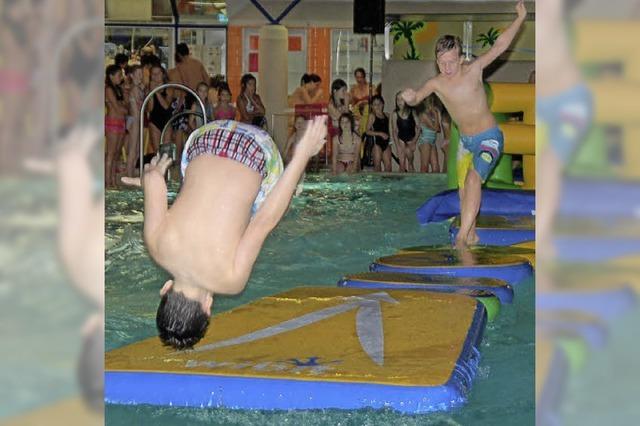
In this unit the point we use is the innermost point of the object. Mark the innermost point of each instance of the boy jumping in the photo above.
(233, 194)
(459, 86)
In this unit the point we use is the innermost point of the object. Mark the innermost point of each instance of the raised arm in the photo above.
(505, 39)
(276, 203)
(155, 198)
(412, 97)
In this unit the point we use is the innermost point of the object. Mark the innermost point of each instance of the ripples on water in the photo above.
(336, 226)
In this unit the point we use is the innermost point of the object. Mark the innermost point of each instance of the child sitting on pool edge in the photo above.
(233, 195)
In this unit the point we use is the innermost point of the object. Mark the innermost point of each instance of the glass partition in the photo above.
(208, 46)
(133, 40)
(350, 51)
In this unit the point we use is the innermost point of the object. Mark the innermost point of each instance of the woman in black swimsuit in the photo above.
(378, 128)
(405, 133)
(160, 110)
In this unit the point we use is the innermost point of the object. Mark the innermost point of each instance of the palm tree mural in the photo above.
(406, 30)
(488, 38)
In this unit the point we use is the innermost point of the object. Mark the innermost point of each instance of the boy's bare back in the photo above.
(198, 238)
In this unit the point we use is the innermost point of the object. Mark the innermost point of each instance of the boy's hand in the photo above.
(314, 137)
(158, 166)
(522, 11)
(409, 96)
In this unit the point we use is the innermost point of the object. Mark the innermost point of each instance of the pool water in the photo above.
(338, 225)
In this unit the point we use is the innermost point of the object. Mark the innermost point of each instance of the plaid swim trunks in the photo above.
(244, 143)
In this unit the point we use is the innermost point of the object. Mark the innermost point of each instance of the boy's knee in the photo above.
(473, 177)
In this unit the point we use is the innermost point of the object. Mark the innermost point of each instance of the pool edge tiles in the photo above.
(421, 334)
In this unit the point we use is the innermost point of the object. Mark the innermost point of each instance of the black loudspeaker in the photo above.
(368, 16)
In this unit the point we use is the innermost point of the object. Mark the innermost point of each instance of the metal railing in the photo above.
(144, 107)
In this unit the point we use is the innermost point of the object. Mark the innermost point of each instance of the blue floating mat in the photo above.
(552, 373)
(500, 230)
(476, 263)
(605, 303)
(495, 202)
(590, 248)
(439, 283)
(569, 324)
(314, 348)
(586, 198)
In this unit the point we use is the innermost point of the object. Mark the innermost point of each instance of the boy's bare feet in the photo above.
(472, 238)
(460, 243)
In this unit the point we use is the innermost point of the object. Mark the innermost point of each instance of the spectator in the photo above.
(249, 104)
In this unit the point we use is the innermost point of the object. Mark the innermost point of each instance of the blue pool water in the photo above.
(337, 226)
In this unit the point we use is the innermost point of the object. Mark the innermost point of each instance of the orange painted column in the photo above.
(319, 56)
(234, 59)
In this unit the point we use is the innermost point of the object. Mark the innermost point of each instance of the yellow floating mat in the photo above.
(501, 230)
(311, 348)
(476, 263)
(526, 250)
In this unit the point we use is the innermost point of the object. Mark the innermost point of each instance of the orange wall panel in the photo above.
(234, 59)
(319, 56)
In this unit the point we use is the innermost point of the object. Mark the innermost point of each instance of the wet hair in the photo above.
(244, 81)
(117, 90)
(351, 121)
(360, 69)
(448, 42)
(121, 59)
(90, 369)
(181, 321)
(335, 86)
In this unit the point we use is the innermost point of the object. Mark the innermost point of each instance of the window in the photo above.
(132, 40)
(350, 51)
(208, 46)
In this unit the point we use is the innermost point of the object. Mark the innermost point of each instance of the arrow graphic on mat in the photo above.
(368, 325)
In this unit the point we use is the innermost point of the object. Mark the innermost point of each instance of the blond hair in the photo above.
(448, 42)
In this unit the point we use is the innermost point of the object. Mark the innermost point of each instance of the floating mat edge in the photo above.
(214, 390)
(512, 274)
(446, 204)
(378, 280)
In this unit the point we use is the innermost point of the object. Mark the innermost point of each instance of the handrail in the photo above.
(169, 123)
(144, 107)
(174, 118)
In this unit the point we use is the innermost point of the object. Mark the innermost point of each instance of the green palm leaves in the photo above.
(406, 30)
(488, 38)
